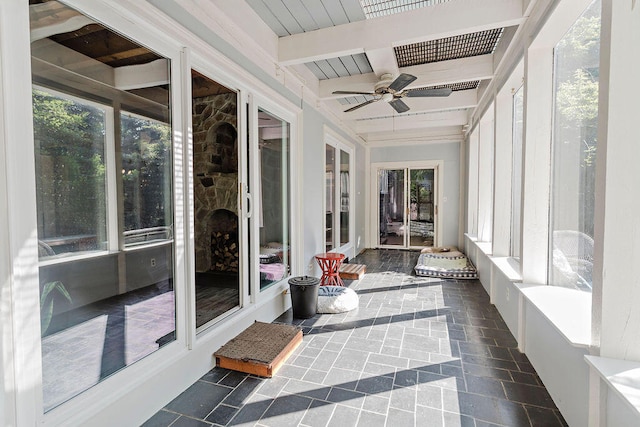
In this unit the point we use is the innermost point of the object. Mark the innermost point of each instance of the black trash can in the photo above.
(304, 296)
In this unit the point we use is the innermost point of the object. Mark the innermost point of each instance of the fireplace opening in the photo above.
(225, 254)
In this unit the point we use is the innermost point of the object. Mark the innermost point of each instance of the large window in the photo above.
(275, 194)
(576, 75)
(516, 186)
(103, 155)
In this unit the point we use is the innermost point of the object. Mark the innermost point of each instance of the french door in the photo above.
(407, 206)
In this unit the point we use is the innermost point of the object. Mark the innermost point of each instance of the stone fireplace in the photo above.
(215, 188)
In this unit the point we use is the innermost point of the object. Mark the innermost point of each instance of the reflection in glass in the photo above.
(70, 174)
(274, 197)
(330, 191)
(421, 207)
(574, 152)
(215, 189)
(392, 226)
(104, 182)
(146, 176)
(344, 198)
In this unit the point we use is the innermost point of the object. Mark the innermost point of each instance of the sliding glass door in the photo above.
(407, 207)
(217, 244)
(338, 211)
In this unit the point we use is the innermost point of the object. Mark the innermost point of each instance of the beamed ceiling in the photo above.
(347, 45)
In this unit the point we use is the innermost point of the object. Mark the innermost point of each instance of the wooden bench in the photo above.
(352, 271)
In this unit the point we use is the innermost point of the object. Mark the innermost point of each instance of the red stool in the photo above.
(330, 263)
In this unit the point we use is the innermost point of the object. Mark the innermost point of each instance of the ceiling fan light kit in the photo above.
(391, 91)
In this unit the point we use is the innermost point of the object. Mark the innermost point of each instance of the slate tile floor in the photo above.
(417, 352)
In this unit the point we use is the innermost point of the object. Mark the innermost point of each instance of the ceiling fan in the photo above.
(392, 92)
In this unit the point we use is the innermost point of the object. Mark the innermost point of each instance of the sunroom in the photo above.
(167, 166)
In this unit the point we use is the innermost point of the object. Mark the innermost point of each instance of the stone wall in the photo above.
(215, 164)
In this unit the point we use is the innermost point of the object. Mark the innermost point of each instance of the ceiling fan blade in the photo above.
(349, 92)
(428, 92)
(399, 106)
(401, 82)
(360, 105)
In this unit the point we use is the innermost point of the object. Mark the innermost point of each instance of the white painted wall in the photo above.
(449, 152)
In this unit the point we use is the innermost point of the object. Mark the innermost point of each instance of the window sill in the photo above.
(568, 310)
(621, 376)
(510, 267)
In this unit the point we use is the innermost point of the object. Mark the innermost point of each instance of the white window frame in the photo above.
(332, 139)
(503, 164)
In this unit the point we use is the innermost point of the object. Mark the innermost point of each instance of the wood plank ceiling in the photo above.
(349, 44)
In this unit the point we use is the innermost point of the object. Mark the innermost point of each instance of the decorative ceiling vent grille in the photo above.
(462, 46)
(376, 8)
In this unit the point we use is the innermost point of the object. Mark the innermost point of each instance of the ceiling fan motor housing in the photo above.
(382, 86)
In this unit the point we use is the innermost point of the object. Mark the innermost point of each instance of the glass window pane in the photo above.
(146, 179)
(330, 192)
(103, 183)
(421, 207)
(516, 186)
(274, 196)
(215, 189)
(70, 174)
(344, 198)
(391, 193)
(574, 152)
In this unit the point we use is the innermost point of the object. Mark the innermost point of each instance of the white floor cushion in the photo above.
(336, 299)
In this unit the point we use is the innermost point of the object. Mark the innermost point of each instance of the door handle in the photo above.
(250, 205)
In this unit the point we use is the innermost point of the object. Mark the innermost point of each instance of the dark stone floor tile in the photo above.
(251, 412)
(215, 375)
(512, 414)
(242, 391)
(374, 385)
(233, 378)
(405, 378)
(525, 378)
(485, 386)
(286, 411)
(489, 362)
(486, 371)
(529, 394)
(222, 415)
(189, 422)
(501, 353)
(199, 400)
(346, 397)
(162, 418)
(543, 417)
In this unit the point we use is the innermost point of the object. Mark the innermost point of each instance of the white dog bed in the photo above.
(336, 299)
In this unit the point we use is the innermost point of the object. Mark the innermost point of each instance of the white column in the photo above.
(616, 279)
(20, 398)
(538, 109)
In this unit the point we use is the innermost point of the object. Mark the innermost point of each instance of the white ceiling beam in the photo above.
(400, 123)
(455, 101)
(415, 136)
(56, 18)
(155, 73)
(383, 61)
(428, 23)
(436, 73)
